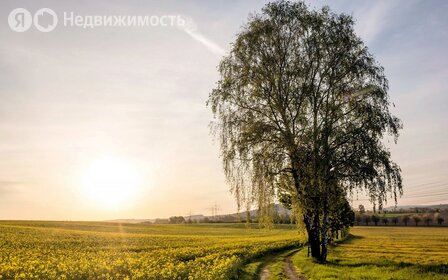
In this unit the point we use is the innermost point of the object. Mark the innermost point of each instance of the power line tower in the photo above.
(189, 220)
(214, 209)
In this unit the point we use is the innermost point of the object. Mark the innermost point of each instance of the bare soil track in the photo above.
(288, 268)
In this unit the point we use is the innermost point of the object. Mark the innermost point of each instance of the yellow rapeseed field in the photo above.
(90, 250)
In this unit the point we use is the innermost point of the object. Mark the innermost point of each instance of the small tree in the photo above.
(342, 216)
(395, 220)
(406, 220)
(427, 219)
(384, 220)
(439, 219)
(177, 220)
(362, 209)
(375, 219)
(358, 219)
(416, 219)
(367, 219)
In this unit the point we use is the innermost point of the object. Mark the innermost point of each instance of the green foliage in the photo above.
(341, 215)
(301, 109)
(177, 220)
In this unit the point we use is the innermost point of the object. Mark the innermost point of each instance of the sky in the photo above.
(75, 97)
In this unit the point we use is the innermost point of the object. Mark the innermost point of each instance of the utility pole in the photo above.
(215, 208)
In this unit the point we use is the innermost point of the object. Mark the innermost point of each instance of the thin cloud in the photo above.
(8, 187)
(191, 29)
(372, 20)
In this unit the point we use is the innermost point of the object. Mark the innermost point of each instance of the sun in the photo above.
(111, 182)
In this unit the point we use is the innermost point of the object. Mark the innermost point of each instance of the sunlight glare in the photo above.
(111, 182)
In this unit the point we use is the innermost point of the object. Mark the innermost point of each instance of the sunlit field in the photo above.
(88, 250)
(384, 253)
(93, 250)
(223, 140)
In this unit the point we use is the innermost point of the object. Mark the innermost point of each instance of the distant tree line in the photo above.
(344, 217)
(340, 220)
(407, 219)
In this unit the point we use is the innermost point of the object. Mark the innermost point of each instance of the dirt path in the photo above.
(264, 275)
(290, 271)
(288, 268)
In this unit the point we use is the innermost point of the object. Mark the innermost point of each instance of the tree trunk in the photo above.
(323, 257)
(312, 228)
(311, 219)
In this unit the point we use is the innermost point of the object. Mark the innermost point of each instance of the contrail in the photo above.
(191, 29)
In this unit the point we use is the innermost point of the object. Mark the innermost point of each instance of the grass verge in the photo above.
(382, 253)
(273, 262)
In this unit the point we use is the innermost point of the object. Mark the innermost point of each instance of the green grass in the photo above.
(391, 215)
(277, 266)
(273, 262)
(94, 250)
(383, 253)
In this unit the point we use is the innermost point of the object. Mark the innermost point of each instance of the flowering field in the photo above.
(91, 250)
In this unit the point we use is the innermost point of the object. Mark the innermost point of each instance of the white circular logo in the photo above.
(45, 20)
(20, 20)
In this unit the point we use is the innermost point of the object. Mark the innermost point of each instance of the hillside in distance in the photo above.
(278, 209)
(409, 207)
